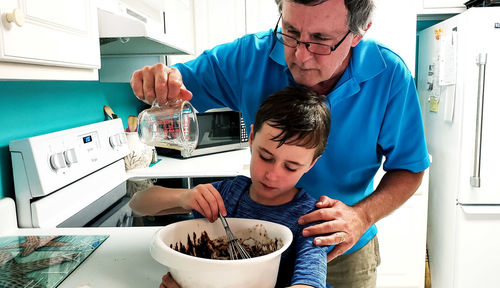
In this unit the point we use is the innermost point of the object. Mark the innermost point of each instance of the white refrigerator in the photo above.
(459, 90)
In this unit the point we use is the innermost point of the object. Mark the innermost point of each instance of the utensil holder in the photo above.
(140, 155)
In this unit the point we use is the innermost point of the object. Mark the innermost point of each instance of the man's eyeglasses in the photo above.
(313, 47)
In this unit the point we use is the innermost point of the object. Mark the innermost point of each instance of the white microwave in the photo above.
(220, 130)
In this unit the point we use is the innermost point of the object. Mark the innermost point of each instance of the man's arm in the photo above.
(395, 188)
(343, 225)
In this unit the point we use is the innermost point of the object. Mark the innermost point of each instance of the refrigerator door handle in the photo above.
(475, 179)
(481, 209)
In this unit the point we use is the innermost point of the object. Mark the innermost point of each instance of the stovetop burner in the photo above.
(119, 214)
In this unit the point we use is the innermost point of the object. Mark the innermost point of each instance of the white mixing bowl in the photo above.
(190, 271)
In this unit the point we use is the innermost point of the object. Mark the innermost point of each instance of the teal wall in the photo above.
(30, 108)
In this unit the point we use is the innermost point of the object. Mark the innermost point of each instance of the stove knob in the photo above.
(57, 161)
(70, 156)
(123, 138)
(118, 139)
(114, 141)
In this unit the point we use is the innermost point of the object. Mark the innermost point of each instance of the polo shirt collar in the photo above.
(366, 60)
(278, 54)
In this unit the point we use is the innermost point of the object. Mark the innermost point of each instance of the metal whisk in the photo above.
(236, 250)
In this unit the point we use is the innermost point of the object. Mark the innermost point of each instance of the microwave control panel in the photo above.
(243, 132)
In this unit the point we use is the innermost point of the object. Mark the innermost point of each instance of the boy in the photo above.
(289, 135)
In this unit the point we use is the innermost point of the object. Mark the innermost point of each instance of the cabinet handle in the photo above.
(475, 179)
(17, 16)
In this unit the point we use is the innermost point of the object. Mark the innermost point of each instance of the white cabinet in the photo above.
(439, 9)
(222, 21)
(427, 4)
(215, 22)
(218, 22)
(261, 15)
(179, 24)
(54, 39)
(402, 241)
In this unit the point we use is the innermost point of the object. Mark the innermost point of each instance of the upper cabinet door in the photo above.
(179, 24)
(261, 15)
(443, 4)
(50, 32)
(441, 9)
(218, 22)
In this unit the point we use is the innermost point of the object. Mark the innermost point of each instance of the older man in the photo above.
(375, 114)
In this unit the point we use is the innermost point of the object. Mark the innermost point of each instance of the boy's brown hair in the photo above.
(302, 116)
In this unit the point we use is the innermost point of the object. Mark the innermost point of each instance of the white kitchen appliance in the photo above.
(70, 177)
(458, 84)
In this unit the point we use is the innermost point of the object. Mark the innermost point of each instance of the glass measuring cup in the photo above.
(173, 125)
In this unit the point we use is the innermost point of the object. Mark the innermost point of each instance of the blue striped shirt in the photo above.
(303, 262)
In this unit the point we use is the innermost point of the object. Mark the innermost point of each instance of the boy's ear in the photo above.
(250, 139)
(312, 163)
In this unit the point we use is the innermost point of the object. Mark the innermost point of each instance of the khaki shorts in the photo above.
(355, 270)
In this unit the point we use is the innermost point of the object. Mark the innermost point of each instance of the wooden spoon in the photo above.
(110, 112)
(132, 123)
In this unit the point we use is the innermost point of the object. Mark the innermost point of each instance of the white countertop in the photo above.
(121, 261)
(225, 164)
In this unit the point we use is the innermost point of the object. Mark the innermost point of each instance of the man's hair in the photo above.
(359, 12)
(302, 116)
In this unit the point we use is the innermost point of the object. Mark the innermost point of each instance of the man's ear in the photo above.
(357, 38)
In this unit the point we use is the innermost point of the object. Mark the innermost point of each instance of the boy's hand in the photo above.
(205, 199)
(167, 281)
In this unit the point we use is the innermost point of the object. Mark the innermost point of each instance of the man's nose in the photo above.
(302, 53)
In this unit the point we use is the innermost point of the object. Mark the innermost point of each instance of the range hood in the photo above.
(129, 33)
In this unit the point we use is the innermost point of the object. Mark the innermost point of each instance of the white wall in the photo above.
(395, 25)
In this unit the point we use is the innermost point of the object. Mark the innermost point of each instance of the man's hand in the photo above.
(341, 225)
(344, 225)
(205, 199)
(159, 82)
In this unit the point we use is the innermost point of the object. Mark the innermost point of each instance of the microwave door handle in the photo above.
(475, 179)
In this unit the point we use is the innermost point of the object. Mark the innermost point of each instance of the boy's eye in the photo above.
(267, 159)
(290, 168)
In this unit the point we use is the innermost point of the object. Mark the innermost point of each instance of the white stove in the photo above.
(68, 178)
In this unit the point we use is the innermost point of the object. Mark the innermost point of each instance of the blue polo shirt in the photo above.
(374, 106)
